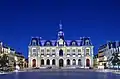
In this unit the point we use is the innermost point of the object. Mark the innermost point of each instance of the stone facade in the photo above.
(60, 52)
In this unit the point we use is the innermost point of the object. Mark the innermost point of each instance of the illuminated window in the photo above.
(73, 43)
(34, 42)
(87, 42)
(48, 43)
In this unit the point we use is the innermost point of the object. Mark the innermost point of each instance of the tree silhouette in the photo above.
(115, 59)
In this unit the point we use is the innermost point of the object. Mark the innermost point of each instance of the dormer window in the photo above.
(73, 43)
(87, 42)
(34, 42)
(48, 43)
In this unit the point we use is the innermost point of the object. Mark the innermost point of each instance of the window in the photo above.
(74, 62)
(42, 50)
(53, 50)
(60, 52)
(48, 50)
(73, 50)
(79, 50)
(87, 42)
(42, 62)
(34, 50)
(48, 62)
(73, 43)
(34, 42)
(68, 50)
(87, 50)
(79, 62)
(48, 43)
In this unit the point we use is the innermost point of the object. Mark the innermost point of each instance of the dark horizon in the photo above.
(21, 20)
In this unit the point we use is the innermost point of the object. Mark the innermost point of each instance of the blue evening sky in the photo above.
(22, 19)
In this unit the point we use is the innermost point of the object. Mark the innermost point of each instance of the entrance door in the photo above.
(61, 63)
(87, 62)
(33, 63)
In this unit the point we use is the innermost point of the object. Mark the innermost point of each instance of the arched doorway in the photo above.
(33, 63)
(48, 62)
(53, 62)
(79, 62)
(87, 62)
(68, 62)
(42, 62)
(74, 62)
(60, 52)
(61, 63)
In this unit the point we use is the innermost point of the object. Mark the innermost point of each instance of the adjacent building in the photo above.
(105, 53)
(8, 57)
(60, 53)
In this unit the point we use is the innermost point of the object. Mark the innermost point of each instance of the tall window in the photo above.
(79, 50)
(79, 62)
(42, 62)
(34, 42)
(87, 42)
(42, 50)
(48, 50)
(34, 50)
(68, 50)
(60, 52)
(74, 62)
(53, 62)
(48, 62)
(68, 62)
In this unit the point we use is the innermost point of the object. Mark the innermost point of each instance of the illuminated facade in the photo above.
(60, 53)
(105, 53)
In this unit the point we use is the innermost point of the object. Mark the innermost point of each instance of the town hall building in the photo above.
(60, 53)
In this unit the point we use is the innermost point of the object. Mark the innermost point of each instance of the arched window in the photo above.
(87, 62)
(87, 42)
(79, 62)
(33, 63)
(42, 62)
(74, 62)
(68, 62)
(48, 43)
(53, 62)
(33, 42)
(60, 52)
(48, 62)
(73, 43)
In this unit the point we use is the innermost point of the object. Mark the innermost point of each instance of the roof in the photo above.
(84, 41)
